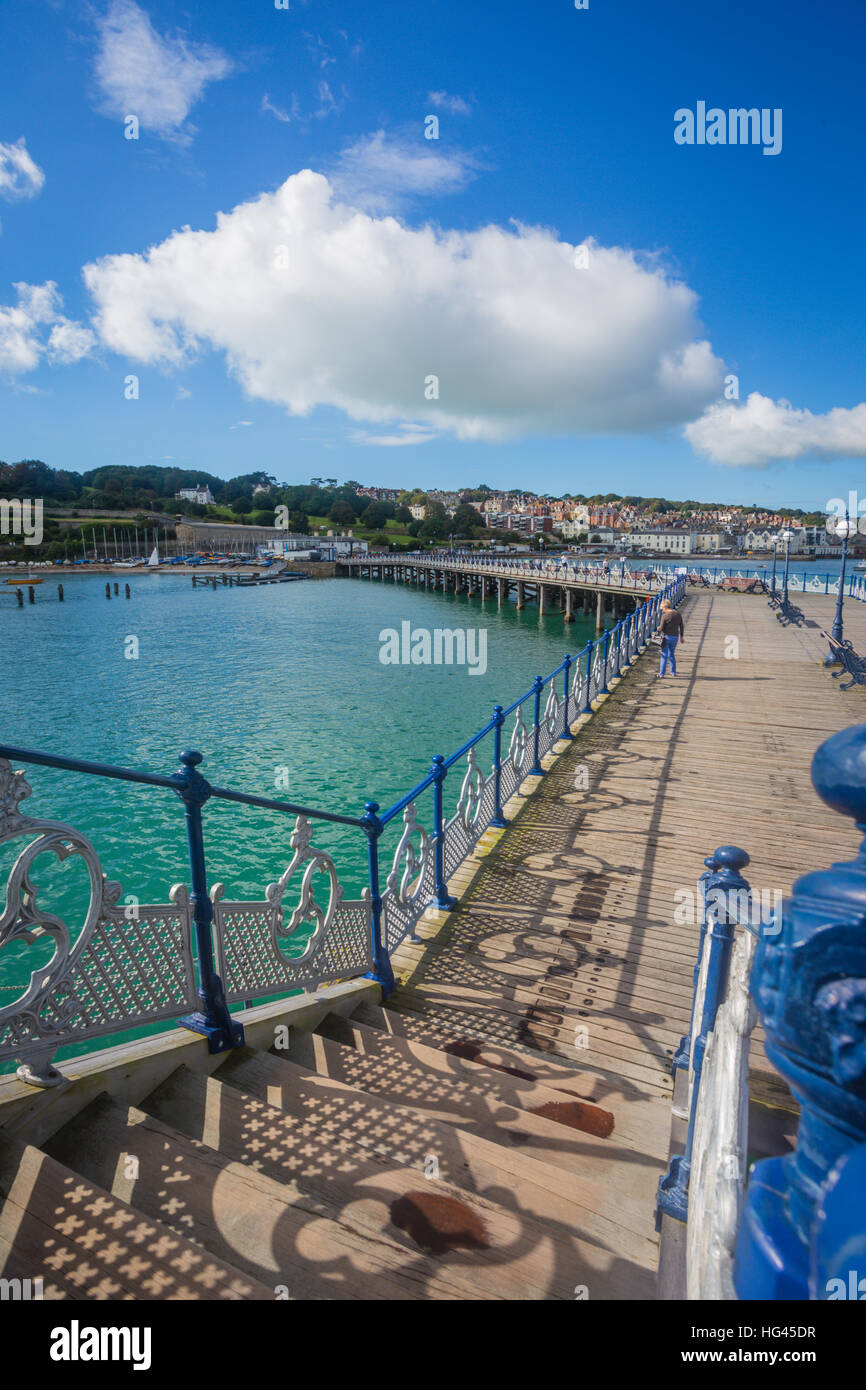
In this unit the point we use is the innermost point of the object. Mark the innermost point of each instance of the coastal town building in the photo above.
(202, 495)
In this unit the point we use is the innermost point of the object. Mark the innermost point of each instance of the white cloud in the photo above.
(158, 79)
(20, 175)
(361, 311)
(454, 105)
(408, 434)
(381, 174)
(763, 431)
(23, 342)
(240, 424)
(281, 115)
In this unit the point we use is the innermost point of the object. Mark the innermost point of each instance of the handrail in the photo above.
(422, 865)
(153, 779)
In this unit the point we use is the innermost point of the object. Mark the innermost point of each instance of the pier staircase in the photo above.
(383, 1156)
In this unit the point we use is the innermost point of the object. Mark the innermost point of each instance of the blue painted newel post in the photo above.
(381, 971)
(440, 772)
(804, 1224)
(566, 670)
(213, 1019)
(537, 687)
(498, 721)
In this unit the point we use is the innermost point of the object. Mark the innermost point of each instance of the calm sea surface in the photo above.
(276, 682)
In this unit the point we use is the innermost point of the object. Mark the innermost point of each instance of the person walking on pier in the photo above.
(671, 629)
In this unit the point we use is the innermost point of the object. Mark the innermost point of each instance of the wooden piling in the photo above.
(126, 586)
(117, 588)
(20, 597)
(108, 591)
(31, 593)
(60, 592)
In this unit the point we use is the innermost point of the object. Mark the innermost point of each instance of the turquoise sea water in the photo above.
(260, 679)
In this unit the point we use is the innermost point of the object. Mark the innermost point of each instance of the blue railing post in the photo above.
(537, 686)
(721, 917)
(381, 971)
(566, 668)
(587, 660)
(498, 721)
(213, 1020)
(443, 897)
(809, 985)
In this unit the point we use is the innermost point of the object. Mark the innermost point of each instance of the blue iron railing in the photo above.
(117, 974)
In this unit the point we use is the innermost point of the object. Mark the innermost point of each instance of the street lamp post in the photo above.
(773, 580)
(843, 529)
(786, 536)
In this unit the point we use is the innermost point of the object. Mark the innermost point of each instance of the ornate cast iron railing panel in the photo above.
(119, 968)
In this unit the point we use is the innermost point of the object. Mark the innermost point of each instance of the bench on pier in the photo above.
(785, 610)
(852, 663)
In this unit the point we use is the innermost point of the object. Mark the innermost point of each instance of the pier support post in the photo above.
(520, 594)
(542, 596)
(569, 616)
(500, 591)
(599, 612)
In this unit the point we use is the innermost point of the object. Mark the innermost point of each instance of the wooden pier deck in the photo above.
(570, 923)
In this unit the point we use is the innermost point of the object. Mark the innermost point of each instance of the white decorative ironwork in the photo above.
(551, 709)
(406, 878)
(410, 884)
(115, 971)
(469, 803)
(519, 745)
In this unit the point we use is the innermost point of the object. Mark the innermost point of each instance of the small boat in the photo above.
(153, 562)
(31, 579)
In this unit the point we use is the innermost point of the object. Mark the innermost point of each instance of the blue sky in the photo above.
(556, 129)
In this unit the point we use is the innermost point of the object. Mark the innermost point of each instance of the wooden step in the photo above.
(85, 1243)
(269, 1229)
(405, 1056)
(468, 1103)
(549, 1029)
(601, 1212)
(506, 1255)
(522, 1071)
(432, 1027)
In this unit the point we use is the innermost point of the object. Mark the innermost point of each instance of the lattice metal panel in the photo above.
(256, 957)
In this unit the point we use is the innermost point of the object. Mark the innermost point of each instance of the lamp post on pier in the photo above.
(844, 530)
(775, 540)
(787, 537)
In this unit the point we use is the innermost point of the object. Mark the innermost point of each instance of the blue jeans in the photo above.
(669, 646)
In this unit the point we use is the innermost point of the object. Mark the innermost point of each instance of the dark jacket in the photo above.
(671, 624)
